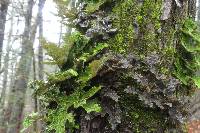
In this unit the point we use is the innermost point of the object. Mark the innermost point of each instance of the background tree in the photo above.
(3, 12)
(22, 74)
(40, 57)
(5, 75)
(16, 37)
(40, 54)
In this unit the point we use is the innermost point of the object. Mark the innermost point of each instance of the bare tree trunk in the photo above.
(5, 76)
(3, 12)
(35, 125)
(40, 55)
(198, 11)
(32, 39)
(8, 108)
(13, 68)
(72, 5)
(192, 8)
(61, 32)
(21, 75)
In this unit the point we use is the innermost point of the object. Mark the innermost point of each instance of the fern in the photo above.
(58, 54)
(61, 103)
(87, 56)
(60, 116)
(92, 106)
(91, 70)
(187, 61)
(61, 76)
(29, 120)
(58, 119)
(94, 5)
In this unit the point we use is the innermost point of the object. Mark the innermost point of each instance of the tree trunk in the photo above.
(143, 35)
(198, 11)
(32, 38)
(3, 12)
(40, 54)
(8, 108)
(35, 125)
(5, 75)
(40, 57)
(147, 79)
(22, 75)
(72, 5)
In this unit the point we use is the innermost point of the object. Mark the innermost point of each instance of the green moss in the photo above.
(139, 32)
(124, 12)
(137, 25)
(149, 22)
(143, 119)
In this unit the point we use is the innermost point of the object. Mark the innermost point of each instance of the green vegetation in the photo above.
(138, 70)
(142, 118)
(59, 99)
(131, 18)
(187, 61)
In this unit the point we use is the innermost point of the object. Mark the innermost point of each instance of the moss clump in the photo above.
(148, 19)
(124, 12)
(143, 119)
(138, 24)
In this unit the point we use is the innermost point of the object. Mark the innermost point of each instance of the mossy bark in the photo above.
(137, 52)
(140, 91)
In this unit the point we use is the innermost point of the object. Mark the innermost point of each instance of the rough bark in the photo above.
(148, 39)
(22, 74)
(142, 90)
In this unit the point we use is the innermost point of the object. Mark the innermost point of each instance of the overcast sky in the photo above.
(51, 24)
